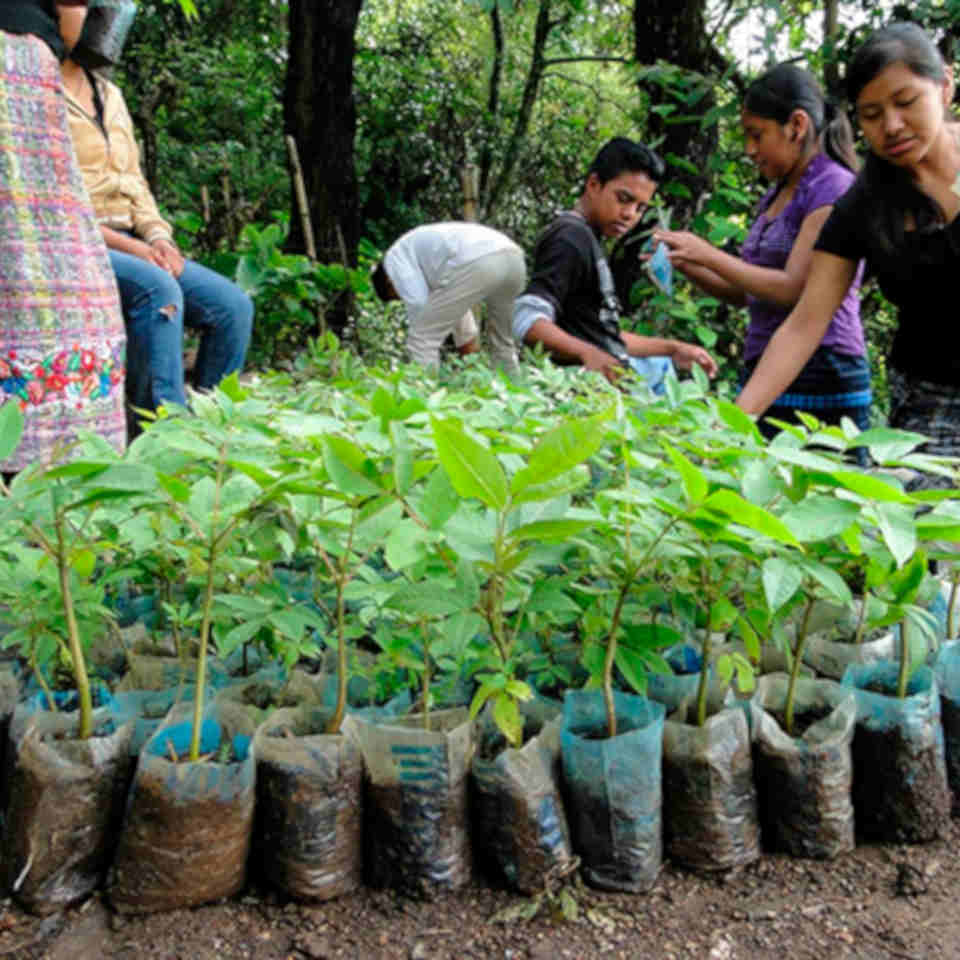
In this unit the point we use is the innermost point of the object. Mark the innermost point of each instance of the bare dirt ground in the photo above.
(876, 903)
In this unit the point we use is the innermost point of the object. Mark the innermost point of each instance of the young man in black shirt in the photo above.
(569, 304)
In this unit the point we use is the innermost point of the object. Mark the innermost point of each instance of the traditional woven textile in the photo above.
(62, 338)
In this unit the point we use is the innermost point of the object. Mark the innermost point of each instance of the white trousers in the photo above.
(496, 280)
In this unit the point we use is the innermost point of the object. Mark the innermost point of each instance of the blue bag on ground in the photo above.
(614, 788)
(65, 802)
(520, 819)
(416, 830)
(900, 792)
(186, 834)
(308, 833)
(947, 671)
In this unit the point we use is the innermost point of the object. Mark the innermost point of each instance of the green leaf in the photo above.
(549, 530)
(84, 562)
(11, 427)
(406, 544)
(506, 715)
(473, 470)
(345, 462)
(737, 420)
(561, 449)
(732, 505)
(633, 667)
(694, 482)
(898, 530)
(819, 517)
(781, 580)
(569, 482)
(402, 458)
(723, 614)
(440, 500)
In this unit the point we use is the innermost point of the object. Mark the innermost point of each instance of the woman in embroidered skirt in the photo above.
(62, 339)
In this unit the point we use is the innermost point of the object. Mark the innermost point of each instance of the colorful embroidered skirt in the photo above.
(62, 339)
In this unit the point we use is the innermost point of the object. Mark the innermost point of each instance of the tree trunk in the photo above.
(673, 31)
(320, 115)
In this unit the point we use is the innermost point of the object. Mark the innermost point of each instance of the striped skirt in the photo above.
(62, 339)
(831, 386)
(932, 409)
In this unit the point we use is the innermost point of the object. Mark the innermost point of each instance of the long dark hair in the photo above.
(786, 88)
(890, 193)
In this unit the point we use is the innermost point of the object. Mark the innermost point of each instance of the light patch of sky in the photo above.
(762, 38)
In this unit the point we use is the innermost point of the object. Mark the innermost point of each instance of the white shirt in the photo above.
(423, 258)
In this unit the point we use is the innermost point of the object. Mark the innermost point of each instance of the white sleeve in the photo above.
(527, 310)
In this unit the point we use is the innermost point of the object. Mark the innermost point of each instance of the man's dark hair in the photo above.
(621, 155)
(381, 282)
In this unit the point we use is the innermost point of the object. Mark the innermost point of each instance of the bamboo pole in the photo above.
(300, 191)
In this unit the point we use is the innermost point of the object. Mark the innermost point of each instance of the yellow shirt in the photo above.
(110, 165)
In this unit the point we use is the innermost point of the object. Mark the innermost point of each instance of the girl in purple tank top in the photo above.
(806, 149)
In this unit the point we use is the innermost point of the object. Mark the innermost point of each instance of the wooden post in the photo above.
(205, 200)
(300, 191)
(228, 208)
(470, 181)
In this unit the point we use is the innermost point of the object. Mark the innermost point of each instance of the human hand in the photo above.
(687, 354)
(145, 252)
(593, 358)
(684, 248)
(171, 259)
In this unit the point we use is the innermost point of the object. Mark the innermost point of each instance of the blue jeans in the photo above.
(156, 305)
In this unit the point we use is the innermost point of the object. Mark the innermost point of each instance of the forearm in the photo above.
(639, 346)
(773, 286)
(800, 334)
(713, 284)
(118, 240)
(557, 342)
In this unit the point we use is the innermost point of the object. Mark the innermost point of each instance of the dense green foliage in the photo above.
(523, 91)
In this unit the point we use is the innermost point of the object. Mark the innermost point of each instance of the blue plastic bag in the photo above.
(614, 788)
(947, 671)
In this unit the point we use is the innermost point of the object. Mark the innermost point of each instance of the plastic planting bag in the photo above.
(147, 671)
(65, 804)
(416, 830)
(804, 781)
(830, 658)
(947, 672)
(613, 788)
(519, 816)
(308, 834)
(147, 709)
(187, 830)
(900, 789)
(709, 800)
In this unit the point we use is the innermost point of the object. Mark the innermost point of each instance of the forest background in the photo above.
(393, 102)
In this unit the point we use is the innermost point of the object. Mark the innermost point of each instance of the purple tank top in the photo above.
(769, 243)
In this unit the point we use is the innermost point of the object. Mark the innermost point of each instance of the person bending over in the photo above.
(570, 305)
(440, 270)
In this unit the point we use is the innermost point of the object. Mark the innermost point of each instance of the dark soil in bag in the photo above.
(308, 833)
(900, 791)
(416, 826)
(65, 806)
(518, 813)
(187, 830)
(709, 799)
